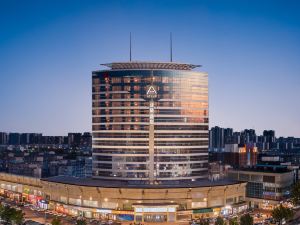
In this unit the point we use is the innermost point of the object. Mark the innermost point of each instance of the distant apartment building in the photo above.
(280, 156)
(14, 138)
(270, 135)
(266, 186)
(219, 137)
(42, 165)
(3, 138)
(74, 139)
(30, 138)
(25, 169)
(216, 138)
(53, 140)
(240, 155)
(86, 139)
(237, 156)
(80, 167)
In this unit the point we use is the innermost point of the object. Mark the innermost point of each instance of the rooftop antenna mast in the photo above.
(171, 47)
(130, 47)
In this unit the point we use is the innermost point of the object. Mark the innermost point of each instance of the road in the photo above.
(40, 217)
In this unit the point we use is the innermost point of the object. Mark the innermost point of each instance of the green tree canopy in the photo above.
(80, 222)
(281, 212)
(56, 221)
(1, 209)
(246, 219)
(219, 221)
(17, 217)
(11, 215)
(295, 194)
(234, 221)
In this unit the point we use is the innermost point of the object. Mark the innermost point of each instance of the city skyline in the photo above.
(48, 52)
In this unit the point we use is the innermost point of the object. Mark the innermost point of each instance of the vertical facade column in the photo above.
(225, 194)
(151, 141)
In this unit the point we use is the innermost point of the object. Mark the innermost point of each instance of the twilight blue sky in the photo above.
(251, 50)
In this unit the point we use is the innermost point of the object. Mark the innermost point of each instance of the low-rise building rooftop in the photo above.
(150, 65)
(127, 184)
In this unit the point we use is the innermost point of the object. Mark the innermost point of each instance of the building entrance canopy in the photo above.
(161, 208)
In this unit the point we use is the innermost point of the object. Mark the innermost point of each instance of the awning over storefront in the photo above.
(204, 210)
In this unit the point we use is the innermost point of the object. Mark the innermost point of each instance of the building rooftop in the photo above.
(126, 184)
(150, 65)
(266, 169)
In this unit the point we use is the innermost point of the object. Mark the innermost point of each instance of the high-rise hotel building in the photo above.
(150, 141)
(150, 122)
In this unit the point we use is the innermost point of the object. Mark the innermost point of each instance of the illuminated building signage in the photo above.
(154, 209)
(105, 211)
(123, 212)
(151, 92)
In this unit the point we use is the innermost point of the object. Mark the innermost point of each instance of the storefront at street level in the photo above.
(155, 212)
(100, 199)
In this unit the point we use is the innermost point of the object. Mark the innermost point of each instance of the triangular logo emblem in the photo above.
(151, 91)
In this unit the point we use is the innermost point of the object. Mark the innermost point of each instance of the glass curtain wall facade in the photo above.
(150, 124)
